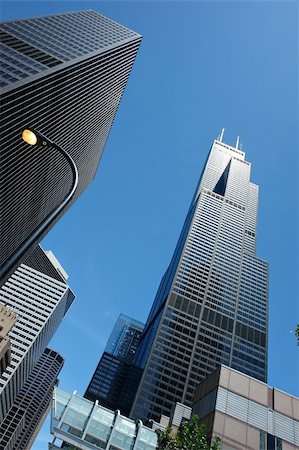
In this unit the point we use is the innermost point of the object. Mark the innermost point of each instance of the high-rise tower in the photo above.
(108, 383)
(40, 298)
(25, 418)
(63, 75)
(211, 305)
(125, 337)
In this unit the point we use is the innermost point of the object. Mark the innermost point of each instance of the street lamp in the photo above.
(33, 137)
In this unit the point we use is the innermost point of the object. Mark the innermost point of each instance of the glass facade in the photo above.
(108, 381)
(125, 337)
(211, 306)
(86, 425)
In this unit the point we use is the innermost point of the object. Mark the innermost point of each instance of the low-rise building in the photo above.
(86, 425)
(246, 413)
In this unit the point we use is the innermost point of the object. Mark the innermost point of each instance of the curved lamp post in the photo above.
(34, 137)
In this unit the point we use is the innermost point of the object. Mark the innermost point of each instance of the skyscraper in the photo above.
(40, 302)
(125, 337)
(24, 419)
(108, 384)
(211, 305)
(63, 75)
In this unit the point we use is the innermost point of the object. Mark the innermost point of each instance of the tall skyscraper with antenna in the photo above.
(212, 303)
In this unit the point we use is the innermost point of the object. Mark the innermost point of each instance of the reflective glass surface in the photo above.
(75, 417)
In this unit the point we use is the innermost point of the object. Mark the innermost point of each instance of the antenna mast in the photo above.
(221, 135)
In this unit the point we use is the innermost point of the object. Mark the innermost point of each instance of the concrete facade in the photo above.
(7, 320)
(25, 418)
(246, 413)
(40, 303)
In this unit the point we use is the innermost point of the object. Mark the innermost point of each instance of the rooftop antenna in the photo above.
(237, 143)
(221, 135)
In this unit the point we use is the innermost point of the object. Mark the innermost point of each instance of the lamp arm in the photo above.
(12, 262)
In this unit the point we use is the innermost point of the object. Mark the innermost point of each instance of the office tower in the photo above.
(246, 413)
(108, 384)
(25, 418)
(7, 321)
(63, 75)
(80, 423)
(211, 305)
(125, 337)
(40, 302)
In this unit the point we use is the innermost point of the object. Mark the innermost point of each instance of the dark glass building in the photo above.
(63, 75)
(26, 416)
(211, 307)
(109, 381)
(125, 337)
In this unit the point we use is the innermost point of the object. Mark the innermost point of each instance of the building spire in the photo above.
(237, 143)
(221, 135)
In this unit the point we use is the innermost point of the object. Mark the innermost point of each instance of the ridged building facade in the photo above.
(25, 418)
(63, 75)
(211, 307)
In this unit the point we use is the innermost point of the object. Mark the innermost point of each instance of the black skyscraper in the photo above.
(63, 75)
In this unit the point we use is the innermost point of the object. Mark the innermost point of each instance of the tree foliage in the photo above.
(190, 436)
(297, 333)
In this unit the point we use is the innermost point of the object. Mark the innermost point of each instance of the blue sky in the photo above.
(201, 66)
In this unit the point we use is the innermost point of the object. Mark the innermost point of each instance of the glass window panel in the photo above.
(278, 443)
(59, 408)
(75, 418)
(61, 396)
(148, 436)
(122, 441)
(95, 441)
(81, 404)
(103, 416)
(126, 426)
(98, 430)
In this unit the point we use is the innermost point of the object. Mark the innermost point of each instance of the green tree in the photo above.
(297, 333)
(190, 436)
(166, 439)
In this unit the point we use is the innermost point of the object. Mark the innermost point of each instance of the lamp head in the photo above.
(33, 137)
(29, 137)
